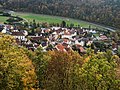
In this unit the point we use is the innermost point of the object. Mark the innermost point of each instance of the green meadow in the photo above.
(55, 19)
(3, 19)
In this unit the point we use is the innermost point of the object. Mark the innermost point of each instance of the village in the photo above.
(62, 39)
(60, 45)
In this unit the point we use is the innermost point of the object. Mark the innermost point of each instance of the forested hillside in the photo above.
(99, 11)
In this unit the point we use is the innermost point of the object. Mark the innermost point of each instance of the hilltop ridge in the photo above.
(105, 12)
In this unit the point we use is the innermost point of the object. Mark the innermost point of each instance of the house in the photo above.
(30, 47)
(69, 36)
(80, 49)
(4, 30)
(103, 37)
(55, 28)
(63, 47)
(93, 31)
(81, 43)
(28, 42)
(118, 42)
(114, 46)
(89, 43)
(24, 32)
(37, 39)
(35, 45)
(9, 27)
(8, 12)
(67, 47)
(19, 35)
(60, 47)
(66, 40)
(1, 27)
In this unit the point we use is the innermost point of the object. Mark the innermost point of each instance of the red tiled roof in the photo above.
(67, 33)
(60, 47)
(78, 45)
(63, 47)
(82, 49)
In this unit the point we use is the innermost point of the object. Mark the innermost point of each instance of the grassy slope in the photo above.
(53, 19)
(3, 19)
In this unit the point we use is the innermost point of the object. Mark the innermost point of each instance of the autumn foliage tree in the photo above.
(16, 69)
(61, 72)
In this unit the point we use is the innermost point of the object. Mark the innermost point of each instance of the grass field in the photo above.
(54, 19)
(3, 19)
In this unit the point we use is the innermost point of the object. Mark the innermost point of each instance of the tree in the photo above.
(63, 24)
(99, 73)
(38, 25)
(62, 71)
(32, 31)
(118, 51)
(34, 24)
(45, 25)
(26, 24)
(16, 69)
(39, 60)
(71, 25)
